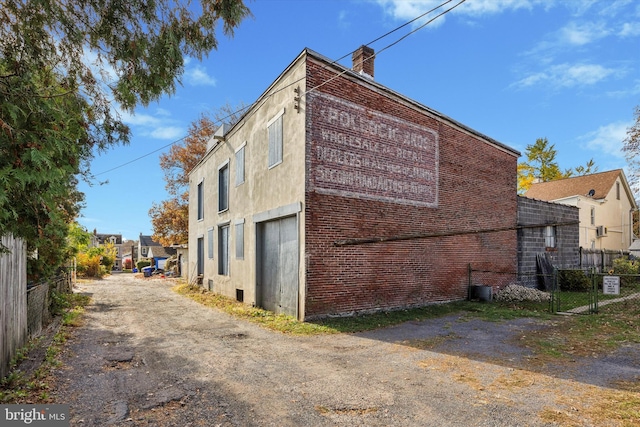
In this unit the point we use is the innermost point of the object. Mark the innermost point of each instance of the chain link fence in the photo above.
(573, 291)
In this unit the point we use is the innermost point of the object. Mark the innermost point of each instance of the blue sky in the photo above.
(515, 70)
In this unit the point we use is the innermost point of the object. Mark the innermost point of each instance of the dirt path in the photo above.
(149, 357)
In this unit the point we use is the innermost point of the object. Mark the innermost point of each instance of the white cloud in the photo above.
(567, 75)
(197, 76)
(633, 90)
(167, 132)
(607, 138)
(575, 34)
(158, 125)
(406, 10)
(630, 29)
(163, 112)
(139, 119)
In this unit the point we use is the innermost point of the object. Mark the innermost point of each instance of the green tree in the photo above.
(541, 166)
(64, 67)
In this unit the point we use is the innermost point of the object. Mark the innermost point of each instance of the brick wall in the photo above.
(531, 240)
(442, 180)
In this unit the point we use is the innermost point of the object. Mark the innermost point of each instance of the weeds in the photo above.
(17, 387)
(565, 338)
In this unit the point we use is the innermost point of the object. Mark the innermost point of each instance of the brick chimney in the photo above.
(363, 61)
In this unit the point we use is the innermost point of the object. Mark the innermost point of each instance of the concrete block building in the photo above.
(335, 195)
(549, 229)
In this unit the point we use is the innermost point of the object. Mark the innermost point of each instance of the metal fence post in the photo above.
(553, 301)
(593, 306)
(469, 284)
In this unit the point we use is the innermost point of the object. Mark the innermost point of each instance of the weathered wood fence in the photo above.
(602, 259)
(13, 300)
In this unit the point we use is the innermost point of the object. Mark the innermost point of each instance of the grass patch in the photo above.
(268, 319)
(494, 312)
(588, 335)
(331, 325)
(564, 338)
(19, 387)
(601, 407)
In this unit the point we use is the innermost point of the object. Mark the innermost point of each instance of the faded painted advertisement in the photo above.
(368, 154)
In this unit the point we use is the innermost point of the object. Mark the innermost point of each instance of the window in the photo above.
(210, 242)
(200, 267)
(223, 187)
(240, 239)
(550, 236)
(274, 129)
(240, 165)
(593, 215)
(223, 250)
(617, 190)
(144, 251)
(201, 200)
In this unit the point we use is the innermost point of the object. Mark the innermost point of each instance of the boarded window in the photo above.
(201, 200)
(223, 188)
(210, 242)
(240, 240)
(275, 141)
(223, 250)
(240, 165)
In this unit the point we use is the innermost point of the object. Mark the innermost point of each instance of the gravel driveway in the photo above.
(147, 356)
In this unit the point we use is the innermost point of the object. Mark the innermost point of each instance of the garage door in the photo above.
(277, 287)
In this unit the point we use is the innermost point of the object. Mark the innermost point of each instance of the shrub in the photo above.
(622, 266)
(143, 263)
(573, 281)
(89, 265)
(107, 263)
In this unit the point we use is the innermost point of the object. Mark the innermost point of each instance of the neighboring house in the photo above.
(546, 229)
(129, 250)
(182, 252)
(100, 239)
(606, 206)
(634, 249)
(159, 255)
(144, 244)
(334, 194)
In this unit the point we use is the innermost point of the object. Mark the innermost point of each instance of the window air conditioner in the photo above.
(601, 231)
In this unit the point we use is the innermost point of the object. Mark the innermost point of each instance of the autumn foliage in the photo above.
(170, 218)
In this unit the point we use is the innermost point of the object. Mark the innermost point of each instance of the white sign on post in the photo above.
(611, 285)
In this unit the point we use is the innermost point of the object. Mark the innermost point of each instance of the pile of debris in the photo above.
(517, 293)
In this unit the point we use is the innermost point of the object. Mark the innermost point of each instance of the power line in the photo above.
(394, 43)
(141, 157)
(323, 83)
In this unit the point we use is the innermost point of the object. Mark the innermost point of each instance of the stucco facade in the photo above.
(374, 201)
(266, 192)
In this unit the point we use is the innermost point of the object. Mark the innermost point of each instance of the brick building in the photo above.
(334, 194)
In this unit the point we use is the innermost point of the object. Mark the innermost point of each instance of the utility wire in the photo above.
(321, 84)
(392, 44)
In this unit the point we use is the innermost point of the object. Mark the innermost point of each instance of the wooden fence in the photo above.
(13, 300)
(602, 259)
